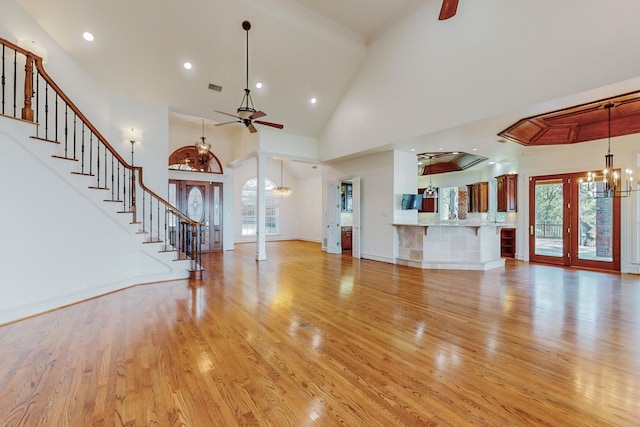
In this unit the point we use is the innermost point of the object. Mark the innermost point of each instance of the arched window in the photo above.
(187, 158)
(249, 205)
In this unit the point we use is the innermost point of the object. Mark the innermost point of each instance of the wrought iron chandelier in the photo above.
(609, 186)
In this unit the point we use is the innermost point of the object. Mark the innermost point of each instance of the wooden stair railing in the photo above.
(60, 121)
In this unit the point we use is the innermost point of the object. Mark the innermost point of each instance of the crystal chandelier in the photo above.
(281, 191)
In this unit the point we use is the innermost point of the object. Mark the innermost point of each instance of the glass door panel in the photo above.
(549, 222)
(595, 225)
(596, 219)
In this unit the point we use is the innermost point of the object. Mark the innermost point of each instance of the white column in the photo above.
(261, 242)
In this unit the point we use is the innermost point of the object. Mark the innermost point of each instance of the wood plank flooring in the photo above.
(305, 338)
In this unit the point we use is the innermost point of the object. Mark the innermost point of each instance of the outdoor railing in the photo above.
(548, 231)
(33, 96)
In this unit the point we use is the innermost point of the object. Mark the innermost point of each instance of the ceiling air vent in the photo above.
(215, 87)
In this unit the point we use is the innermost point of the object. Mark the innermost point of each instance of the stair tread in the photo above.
(113, 201)
(64, 158)
(82, 173)
(99, 188)
(45, 140)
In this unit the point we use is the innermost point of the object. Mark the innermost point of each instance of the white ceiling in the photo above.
(299, 49)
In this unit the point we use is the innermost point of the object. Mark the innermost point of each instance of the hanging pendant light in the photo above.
(608, 186)
(203, 146)
(281, 191)
(430, 192)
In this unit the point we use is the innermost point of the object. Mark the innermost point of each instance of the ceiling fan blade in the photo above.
(273, 125)
(226, 123)
(252, 128)
(257, 115)
(227, 114)
(449, 8)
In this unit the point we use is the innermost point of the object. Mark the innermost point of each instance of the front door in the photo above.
(570, 226)
(202, 202)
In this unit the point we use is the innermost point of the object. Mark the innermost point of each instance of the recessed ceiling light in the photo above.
(440, 149)
(314, 100)
(492, 163)
(259, 85)
(87, 36)
(187, 65)
(413, 149)
(455, 153)
(475, 149)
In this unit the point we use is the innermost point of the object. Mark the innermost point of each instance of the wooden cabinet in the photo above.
(478, 197)
(508, 242)
(346, 238)
(428, 205)
(507, 189)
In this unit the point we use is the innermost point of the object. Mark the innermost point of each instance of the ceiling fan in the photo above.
(449, 8)
(246, 113)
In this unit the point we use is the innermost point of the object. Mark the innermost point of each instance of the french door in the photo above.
(201, 201)
(569, 225)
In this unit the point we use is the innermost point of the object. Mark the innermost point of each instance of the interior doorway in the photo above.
(202, 202)
(343, 217)
(569, 226)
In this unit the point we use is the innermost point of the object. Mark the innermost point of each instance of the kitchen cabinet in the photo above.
(478, 197)
(507, 189)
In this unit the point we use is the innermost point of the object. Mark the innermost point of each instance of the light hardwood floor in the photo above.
(306, 338)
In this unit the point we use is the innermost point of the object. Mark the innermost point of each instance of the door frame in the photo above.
(570, 225)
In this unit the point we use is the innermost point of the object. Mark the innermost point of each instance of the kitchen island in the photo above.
(450, 245)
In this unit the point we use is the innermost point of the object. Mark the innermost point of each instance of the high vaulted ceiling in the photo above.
(386, 74)
(297, 49)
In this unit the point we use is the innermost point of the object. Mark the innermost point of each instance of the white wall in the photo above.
(428, 77)
(309, 209)
(61, 243)
(152, 152)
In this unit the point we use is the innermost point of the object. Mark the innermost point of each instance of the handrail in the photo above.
(27, 113)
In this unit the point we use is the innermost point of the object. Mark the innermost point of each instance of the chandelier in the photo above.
(609, 185)
(430, 192)
(203, 146)
(281, 191)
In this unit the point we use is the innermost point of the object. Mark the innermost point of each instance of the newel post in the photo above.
(27, 111)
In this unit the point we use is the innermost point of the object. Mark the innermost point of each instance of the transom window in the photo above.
(249, 208)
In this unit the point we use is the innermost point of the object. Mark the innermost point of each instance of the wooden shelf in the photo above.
(508, 242)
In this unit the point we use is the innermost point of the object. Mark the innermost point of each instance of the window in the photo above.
(249, 211)
(449, 203)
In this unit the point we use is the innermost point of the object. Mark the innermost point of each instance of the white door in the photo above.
(355, 232)
(333, 218)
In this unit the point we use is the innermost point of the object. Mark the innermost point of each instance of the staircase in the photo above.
(105, 196)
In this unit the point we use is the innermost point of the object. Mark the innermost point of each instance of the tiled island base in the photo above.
(449, 246)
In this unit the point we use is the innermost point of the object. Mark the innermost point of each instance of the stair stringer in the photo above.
(63, 243)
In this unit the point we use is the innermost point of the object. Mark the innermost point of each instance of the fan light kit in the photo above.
(246, 113)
